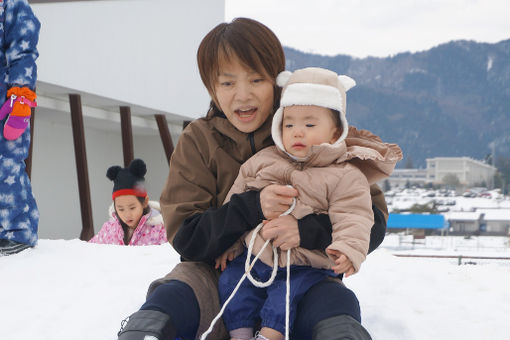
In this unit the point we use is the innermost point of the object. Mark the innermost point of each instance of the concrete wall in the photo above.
(54, 180)
(140, 52)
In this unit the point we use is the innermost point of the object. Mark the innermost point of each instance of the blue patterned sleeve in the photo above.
(21, 29)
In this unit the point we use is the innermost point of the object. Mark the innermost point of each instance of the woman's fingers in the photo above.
(276, 199)
(283, 231)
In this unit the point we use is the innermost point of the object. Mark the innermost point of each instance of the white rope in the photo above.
(248, 267)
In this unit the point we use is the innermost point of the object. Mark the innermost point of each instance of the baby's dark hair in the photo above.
(336, 119)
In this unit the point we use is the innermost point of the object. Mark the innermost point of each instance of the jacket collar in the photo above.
(241, 143)
(362, 148)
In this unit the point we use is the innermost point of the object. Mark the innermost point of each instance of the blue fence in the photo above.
(416, 221)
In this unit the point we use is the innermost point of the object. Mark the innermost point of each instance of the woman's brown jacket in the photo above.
(203, 167)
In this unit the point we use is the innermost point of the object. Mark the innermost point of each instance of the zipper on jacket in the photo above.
(251, 138)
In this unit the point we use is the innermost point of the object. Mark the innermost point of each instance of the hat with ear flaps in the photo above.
(128, 181)
(312, 86)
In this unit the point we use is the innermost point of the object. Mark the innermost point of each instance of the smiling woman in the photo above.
(238, 63)
(244, 96)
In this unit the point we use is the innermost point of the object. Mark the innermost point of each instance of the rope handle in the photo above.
(248, 267)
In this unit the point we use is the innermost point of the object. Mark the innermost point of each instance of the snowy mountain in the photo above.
(451, 100)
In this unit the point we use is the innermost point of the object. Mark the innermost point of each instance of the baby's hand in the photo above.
(221, 262)
(229, 254)
(342, 263)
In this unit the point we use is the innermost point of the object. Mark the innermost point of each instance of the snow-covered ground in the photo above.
(75, 290)
(403, 199)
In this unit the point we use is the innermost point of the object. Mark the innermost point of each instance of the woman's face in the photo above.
(245, 96)
(129, 209)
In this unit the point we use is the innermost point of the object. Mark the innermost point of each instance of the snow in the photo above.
(405, 199)
(69, 289)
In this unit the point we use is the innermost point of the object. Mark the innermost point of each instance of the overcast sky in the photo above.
(363, 28)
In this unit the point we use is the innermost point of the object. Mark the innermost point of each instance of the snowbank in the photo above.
(75, 290)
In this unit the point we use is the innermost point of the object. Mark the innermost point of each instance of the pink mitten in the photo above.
(18, 104)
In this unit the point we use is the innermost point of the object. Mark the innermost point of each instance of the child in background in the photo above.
(19, 34)
(311, 155)
(135, 220)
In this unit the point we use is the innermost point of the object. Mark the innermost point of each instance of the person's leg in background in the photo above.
(19, 216)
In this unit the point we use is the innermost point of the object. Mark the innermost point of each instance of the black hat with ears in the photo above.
(128, 181)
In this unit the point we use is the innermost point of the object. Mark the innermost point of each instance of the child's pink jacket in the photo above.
(150, 229)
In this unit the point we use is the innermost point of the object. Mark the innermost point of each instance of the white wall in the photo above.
(54, 180)
(138, 51)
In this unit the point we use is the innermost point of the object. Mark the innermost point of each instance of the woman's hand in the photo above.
(283, 231)
(275, 199)
(342, 263)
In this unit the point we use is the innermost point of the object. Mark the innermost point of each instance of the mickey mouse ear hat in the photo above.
(128, 181)
(312, 86)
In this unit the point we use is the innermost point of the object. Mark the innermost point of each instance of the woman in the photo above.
(238, 64)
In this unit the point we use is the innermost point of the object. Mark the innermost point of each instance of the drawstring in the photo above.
(248, 267)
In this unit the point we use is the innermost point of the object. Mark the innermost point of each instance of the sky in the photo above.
(70, 289)
(362, 28)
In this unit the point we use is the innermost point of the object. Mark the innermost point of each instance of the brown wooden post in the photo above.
(164, 133)
(87, 231)
(28, 161)
(127, 134)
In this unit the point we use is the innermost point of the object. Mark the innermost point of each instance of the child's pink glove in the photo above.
(18, 104)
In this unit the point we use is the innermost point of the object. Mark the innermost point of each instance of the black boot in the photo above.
(342, 327)
(148, 325)
(9, 247)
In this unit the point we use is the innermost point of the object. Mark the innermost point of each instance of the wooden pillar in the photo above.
(87, 231)
(164, 133)
(28, 161)
(127, 134)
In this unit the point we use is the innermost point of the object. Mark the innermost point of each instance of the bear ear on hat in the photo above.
(283, 78)
(137, 167)
(112, 172)
(346, 82)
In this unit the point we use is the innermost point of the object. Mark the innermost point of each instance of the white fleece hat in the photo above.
(312, 86)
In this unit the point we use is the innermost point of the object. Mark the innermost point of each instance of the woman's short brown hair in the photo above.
(253, 43)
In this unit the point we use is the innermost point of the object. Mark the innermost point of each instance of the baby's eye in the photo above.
(288, 126)
(258, 80)
(310, 125)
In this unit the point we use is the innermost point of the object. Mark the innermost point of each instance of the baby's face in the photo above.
(307, 125)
